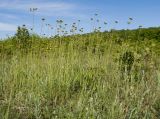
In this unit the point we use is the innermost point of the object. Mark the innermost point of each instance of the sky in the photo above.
(14, 13)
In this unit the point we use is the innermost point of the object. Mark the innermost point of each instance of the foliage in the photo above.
(22, 38)
(81, 76)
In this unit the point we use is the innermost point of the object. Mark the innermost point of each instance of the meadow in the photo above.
(99, 75)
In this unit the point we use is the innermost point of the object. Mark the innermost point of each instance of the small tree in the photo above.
(22, 38)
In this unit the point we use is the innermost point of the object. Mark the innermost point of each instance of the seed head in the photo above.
(24, 25)
(105, 23)
(43, 19)
(116, 22)
(96, 14)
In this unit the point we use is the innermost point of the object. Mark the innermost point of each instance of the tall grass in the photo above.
(81, 76)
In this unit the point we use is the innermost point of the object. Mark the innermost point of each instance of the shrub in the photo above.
(127, 60)
(22, 38)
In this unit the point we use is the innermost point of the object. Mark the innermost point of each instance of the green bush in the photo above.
(22, 38)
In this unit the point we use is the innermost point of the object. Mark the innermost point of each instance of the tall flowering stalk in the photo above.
(33, 10)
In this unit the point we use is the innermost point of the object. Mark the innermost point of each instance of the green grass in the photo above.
(81, 77)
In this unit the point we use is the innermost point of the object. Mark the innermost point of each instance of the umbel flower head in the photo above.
(33, 9)
(96, 14)
(24, 25)
(105, 23)
(59, 21)
(43, 19)
(116, 22)
(130, 18)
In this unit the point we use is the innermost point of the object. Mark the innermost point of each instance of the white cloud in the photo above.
(8, 16)
(42, 6)
(7, 27)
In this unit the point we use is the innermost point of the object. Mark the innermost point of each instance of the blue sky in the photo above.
(14, 13)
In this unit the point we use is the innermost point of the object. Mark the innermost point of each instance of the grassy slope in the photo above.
(80, 77)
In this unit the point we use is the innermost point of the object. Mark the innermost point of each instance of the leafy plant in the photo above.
(22, 38)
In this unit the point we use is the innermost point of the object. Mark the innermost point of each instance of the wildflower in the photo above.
(105, 23)
(91, 19)
(116, 22)
(43, 19)
(128, 22)
(59, 21)
(33, 9)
